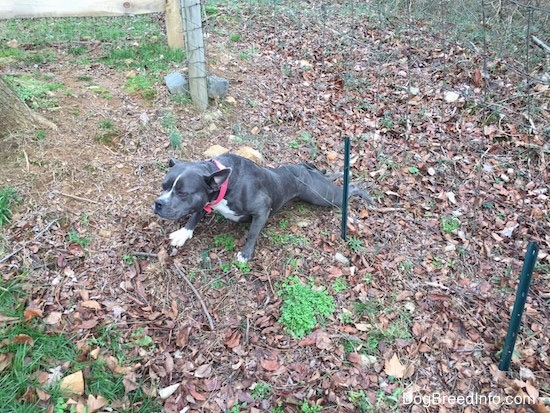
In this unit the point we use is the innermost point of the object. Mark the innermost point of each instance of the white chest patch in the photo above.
(227, 212)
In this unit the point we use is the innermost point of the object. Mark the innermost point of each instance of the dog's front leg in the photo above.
(181, 235)
(258, 222)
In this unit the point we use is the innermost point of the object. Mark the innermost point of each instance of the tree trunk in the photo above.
(15, 114)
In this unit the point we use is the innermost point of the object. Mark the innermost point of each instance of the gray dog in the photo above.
(241, 191)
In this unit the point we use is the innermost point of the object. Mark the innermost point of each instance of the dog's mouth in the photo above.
(164, 210)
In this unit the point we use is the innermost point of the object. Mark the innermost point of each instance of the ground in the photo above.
(423, 306)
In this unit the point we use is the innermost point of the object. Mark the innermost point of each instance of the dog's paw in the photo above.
(180, 236)
(241, 258)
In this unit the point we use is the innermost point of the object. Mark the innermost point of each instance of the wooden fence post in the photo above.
(174, 24)
(195, 53)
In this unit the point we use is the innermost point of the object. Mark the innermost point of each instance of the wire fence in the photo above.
(501, 33)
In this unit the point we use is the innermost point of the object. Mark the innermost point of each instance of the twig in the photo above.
(376, 209)
(541, 44)
(203, 305)
(144, 254)
(7, 257)
(27, 161)
(78, 198)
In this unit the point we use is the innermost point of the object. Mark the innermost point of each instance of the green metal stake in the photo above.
(345, 191)
(519, 305)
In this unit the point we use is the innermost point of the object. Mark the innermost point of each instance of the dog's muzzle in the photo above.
(158, 206)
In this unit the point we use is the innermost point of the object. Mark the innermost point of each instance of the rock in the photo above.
(341, 259)
(215, 150)
(217, 87)
(179, 84)
(250, 153)
(176, 83)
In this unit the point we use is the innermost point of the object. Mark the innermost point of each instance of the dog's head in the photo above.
(187, 188)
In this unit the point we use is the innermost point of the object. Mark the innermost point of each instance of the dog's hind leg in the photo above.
(318, 190)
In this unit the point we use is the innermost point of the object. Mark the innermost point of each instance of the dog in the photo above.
(241, 191)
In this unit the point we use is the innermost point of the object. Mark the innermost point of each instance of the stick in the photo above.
(78, 198)
(7, 257)
(203, 305)
(541, 44)
(144, 254)
(371, 208)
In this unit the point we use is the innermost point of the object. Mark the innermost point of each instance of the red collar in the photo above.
(223, 189)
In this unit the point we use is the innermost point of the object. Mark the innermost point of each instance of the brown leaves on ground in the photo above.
(430, 283)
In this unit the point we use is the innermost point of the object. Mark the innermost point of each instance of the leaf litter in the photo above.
(426, 310)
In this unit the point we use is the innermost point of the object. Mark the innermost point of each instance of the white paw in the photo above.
(180, 236)
(241, 259)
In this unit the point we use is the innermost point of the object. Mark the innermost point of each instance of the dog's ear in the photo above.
(172, 162)
(216, 180)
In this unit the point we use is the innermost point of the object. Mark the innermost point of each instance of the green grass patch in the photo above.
(169, 123)
(449, 224)
(34, 92)
(340, 285)
(108, 133)
(227, 242)
(355, 244)
(8, 198)
(112, 30)
(29, 351)
(74, 237)
(303, 306)
(261, 390)
(368, 312)
(142, 84)
(296, 240)
(152, 57)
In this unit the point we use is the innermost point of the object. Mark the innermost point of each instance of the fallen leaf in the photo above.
(394, 368)
(7, 319)
(73, 383)
(323, 341)
(363, 326)
(269, 365)
(509, 230)
(166, 392)
(31, 312)
(451, 97)
(451, 197)
(43, 395)
(196, 395)
(531, 390)
(212, 384)
(163, 257)
(5, 360)
(232, 339)
(53, 318)
(478, 78)
(23, 339)
(130, 383)
(87, 324)
(95, 403)
(30, 395)
(308, 340)
(203, 371)
(91, 304)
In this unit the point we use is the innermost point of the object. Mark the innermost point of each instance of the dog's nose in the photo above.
(157, 207)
